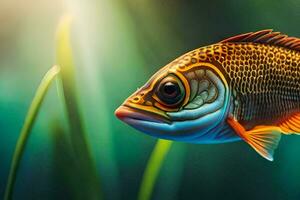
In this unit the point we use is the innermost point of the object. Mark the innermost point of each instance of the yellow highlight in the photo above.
(64, 49)
(150, 109)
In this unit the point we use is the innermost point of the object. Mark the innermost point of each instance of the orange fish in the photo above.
(246, 87)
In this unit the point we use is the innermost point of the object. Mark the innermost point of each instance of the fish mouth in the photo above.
(129, 114)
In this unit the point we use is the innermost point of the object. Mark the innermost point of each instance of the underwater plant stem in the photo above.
(155, 162)
(85, 163)
(26, 129)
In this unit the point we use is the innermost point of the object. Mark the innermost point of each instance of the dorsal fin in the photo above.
(267, 37)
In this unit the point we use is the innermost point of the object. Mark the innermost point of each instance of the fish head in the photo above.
(178, 103)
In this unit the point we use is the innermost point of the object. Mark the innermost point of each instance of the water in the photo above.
(118, 45)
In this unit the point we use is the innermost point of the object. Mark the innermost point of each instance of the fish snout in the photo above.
(127, 113)
(123, 112)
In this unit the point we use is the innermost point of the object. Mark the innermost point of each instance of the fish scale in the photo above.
(244, 87)
(266, 78)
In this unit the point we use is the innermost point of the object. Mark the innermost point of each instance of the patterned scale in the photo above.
(257, 74)
(263, 71)
(266, 81)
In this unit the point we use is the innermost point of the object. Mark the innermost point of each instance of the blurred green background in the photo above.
(118, 45)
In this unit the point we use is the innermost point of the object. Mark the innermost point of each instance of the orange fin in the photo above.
(263, 139)
(291, 125)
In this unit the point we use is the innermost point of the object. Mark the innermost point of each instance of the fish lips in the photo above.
(129, 115)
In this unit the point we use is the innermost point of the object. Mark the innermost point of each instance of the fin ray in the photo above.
(267, 37)
(263, 139)
(291, 125)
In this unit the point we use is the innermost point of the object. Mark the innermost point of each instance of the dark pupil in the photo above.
(170, 93)
(171, 89)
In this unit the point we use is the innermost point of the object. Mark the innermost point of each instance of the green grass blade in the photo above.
(88, 176)
(155, 162)
(26, 129)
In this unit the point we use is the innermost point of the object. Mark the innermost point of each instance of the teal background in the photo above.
(118, 45)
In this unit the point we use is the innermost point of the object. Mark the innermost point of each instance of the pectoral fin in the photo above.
(263, 139)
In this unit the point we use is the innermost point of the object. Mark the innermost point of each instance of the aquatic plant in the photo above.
(86, 171)
(28, 124)
(155, 162)
(83, 164)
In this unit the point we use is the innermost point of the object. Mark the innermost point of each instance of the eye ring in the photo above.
(170, 91)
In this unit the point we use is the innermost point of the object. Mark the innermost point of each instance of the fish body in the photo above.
(264, 79)
(246, 87)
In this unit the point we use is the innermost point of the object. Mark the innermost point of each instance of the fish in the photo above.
(243, 88)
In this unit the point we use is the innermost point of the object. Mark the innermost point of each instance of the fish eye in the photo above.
(170, 91)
